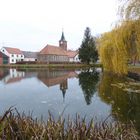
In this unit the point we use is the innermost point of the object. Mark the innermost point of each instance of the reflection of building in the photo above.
(3, 73)
(9, 76)
(52, 78)
(64, 87)
(14, 76)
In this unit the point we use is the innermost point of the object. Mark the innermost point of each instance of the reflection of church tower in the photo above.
(63, 42)
(64, 87)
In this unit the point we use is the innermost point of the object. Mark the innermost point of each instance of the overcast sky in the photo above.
(31, 24)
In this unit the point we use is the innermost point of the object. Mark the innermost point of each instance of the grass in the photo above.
(49, 66)
(15, 126)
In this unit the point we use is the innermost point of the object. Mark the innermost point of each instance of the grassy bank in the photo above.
(43, 66)
(15, 126)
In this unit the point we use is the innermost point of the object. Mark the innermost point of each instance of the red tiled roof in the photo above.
(72, 54)
(13, 50)
(50, 49)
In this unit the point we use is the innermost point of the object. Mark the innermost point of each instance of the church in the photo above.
(51, 53)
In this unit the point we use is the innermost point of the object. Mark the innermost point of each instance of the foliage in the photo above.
(14, 126)
(87, 50)
(129, 9)
(88, 81)
(120, 46)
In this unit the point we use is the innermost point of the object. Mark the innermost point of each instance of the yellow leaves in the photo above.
(119, 46)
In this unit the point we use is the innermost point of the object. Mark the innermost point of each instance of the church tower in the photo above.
(63, 42)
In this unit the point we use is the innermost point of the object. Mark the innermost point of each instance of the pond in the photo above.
(90, 93)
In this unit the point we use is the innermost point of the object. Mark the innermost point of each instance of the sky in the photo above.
(32, 24)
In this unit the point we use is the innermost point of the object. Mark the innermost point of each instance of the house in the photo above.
(51, 53)
(14, 54)
(30, 56)
(73, 56)
(4, 59)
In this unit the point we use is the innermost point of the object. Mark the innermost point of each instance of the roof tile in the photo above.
(13, 50)
(50, 49)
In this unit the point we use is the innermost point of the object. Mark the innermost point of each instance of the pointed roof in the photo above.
(62, 37)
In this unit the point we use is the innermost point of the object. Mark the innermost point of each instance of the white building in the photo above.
(15, 55)
(30, 56)
(73, 56)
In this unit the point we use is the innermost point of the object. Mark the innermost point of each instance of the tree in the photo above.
(87, 50)
(120, 46)
(130, 9)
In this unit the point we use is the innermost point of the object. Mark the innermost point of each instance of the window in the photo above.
(12, 60)
(17, 55)
(12, 56)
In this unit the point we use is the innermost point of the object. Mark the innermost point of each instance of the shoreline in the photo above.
(45, 66)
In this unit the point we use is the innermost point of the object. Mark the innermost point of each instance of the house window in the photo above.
(17, 55)
(12, 60)
(12, 56)
(3, 50)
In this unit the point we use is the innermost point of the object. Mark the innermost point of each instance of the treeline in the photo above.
(121, 46)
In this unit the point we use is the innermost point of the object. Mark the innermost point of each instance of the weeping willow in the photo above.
(129, 9)
(120, 46)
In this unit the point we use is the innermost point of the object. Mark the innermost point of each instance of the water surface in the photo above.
(87, 92)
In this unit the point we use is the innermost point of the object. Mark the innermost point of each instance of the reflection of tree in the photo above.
(125, 106)
(88, 81)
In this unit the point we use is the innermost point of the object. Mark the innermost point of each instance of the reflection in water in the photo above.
(9, 76)
(3, 73)
(88, 81)
(49, 78)
(42, 90)
(52, 78)
(125, 105)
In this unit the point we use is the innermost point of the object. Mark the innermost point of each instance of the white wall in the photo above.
(13, 58)
(74, 59)
(16, 58)
(29, 59)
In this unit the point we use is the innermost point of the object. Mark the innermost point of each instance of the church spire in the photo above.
(62, 37)
(63, 42)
